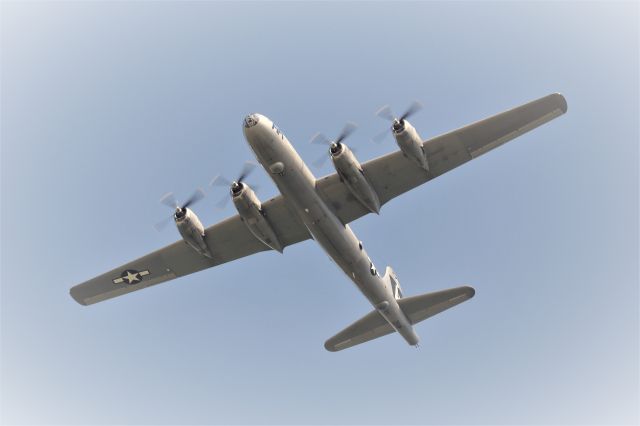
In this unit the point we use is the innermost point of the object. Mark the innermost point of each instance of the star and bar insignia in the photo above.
(130, 276)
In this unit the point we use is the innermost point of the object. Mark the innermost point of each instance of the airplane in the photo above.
(321, 209)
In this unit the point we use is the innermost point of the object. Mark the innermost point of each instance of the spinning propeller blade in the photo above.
(195, 197)
(169, 200)
(380, 136)
(247, 169)
(321, 139)
(162, 224)
(348, 128)
(386, 113)
(219, 180)
(220, 205)
(413, 108)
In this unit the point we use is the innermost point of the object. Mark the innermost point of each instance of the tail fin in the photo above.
(391, 276)
(416, 308)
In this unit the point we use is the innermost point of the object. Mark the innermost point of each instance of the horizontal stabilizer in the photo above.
(419, 308)
(416, 308)
(369, 327)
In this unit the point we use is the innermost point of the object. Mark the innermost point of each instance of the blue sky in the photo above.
(105, 106)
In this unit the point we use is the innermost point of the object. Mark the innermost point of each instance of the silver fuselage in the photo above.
(298, 186)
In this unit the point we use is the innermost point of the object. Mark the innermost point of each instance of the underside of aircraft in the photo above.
(321, 209)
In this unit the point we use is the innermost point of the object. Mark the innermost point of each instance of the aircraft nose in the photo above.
(250, 120)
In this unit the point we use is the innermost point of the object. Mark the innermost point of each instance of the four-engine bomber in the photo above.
(306, 209)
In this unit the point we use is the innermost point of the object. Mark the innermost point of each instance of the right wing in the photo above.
(228, 240)
(393, 174)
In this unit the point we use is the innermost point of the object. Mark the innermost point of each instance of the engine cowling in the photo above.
(192, 230)
(353, 176)
(250, 210)
(410, 142)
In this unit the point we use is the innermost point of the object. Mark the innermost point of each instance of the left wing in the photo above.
(228, 240)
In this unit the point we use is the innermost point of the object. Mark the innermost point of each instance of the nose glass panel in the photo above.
(250, 120)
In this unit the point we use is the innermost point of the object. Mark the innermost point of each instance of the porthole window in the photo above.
(372, 269)
(360, 245)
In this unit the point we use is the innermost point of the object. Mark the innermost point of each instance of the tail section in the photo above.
(419, 308)
(416, 308)
(391, 276)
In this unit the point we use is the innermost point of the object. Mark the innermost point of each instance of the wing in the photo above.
(228, 240)
(393, 174)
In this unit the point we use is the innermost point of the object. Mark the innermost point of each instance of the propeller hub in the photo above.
(180, 213)
(397, 122)
(335, 148)
(236, 188)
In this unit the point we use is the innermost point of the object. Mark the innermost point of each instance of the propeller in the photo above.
(169, 200)
(236, 185)
(334, 145)
(397, 122)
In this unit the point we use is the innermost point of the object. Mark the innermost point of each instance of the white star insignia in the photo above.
(132, 277)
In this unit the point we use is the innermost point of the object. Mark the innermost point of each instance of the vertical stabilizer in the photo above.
(391, 277)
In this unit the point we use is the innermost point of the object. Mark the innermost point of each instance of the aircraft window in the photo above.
(360, 245)
(372, 269)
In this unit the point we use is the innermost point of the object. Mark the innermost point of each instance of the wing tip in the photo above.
(465, 291)
(73, 292)
(562, 102)
(469, 291)
(330, 347)
(335, 343)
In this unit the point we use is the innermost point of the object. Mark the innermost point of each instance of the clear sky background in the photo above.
(108, 105)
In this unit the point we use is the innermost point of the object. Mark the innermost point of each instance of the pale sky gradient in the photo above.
(105, 106)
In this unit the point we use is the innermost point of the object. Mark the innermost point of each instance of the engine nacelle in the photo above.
(350, 170)
(410, 143)
(250, 211)
(192, 230)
